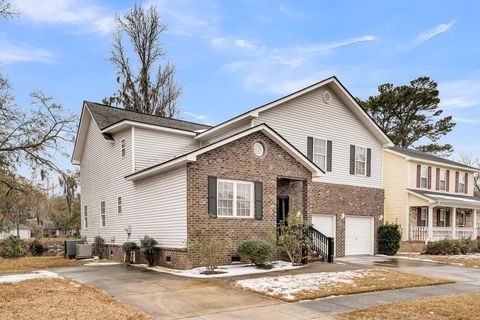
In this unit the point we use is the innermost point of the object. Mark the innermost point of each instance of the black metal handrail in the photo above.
(321, 244)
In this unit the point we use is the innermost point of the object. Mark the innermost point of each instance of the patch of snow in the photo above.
(29, 276)
(472, 256)
(290, 285)
(227, 271)
(101, 263)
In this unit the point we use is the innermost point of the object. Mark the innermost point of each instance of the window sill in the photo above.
(234, 217)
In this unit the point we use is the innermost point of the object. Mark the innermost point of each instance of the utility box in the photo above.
(70, 251)
(84, 251)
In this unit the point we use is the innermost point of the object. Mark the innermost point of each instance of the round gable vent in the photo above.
(327, 97)
(258, 149)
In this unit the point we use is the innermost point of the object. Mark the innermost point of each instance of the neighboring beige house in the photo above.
(24, 232)
(429, 196)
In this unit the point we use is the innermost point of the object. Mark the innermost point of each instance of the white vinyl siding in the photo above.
(156, 206)
(308, 115)
(234, 199)
(320, 153)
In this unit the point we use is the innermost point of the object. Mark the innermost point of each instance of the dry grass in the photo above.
(453, 307)
(60, 299)
(376, 280)
(29, 264)
(455, 260)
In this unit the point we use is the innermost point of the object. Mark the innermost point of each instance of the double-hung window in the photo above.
(85, 217)
(360, 160)
(443, 180)
(442, 218)
(320, 153)
(119, 205)
(102, 214)
(234, 199)
(461, 183)
(461, 219)
(423, 217)
(124, 148)
(424, 177)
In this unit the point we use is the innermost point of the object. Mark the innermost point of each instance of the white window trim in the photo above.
(319, 154)
(461, 182)
(85, 217)
(422, 177)
(422, 211)
(234, 208)
(464, 218)
(444, 171)
(103, 214)
(443, 214)
(119, 206)
(365, 162)
(123, 147)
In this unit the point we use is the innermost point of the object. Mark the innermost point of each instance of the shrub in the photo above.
(292, 239)
(446, 247)
(129, 248)
(468, 246)
(98, 246)
(36, 248)
(389, 236)
(257, 251)
(208, 243)
(147, 246)
(14, 248)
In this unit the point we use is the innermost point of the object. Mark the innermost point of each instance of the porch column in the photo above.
(474, 233)
(430, 223)
(454, 223)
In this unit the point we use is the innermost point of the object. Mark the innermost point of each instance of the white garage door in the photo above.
(358, 235)
(324, 223)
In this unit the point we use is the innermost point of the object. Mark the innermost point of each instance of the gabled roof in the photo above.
(106, 116)
(447, 199)
(191, 156)
(333, 83)
(411, 154)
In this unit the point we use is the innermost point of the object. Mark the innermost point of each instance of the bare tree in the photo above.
(68, 180)
(470, 160)
(151, 89)
(7, 10)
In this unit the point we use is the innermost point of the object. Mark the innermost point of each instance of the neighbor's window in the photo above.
(320, 153)
(423, 217)
(443, 180)
(443, 218)
(124, 149)
(85, 217)
(119, 205)
(461, 219)
(424, 177)
(234, 199)
(461, 183)
(360, 160)
(102, 213)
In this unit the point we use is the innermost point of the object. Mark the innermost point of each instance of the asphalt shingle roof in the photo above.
(428, 157)
(106, 116)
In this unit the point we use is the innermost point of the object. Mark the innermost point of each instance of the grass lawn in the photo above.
(453, 307)
(324, 284)
(472, 260)
(29, 264)
(60, 299)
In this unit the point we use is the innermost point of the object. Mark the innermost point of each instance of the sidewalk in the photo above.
(316, 309)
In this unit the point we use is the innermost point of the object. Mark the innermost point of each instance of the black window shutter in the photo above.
(352, 159)
(212, 196)
(369, 162)
(329, 155)
(438, 218)
(310, 148)
(419, 217)
(258, 200)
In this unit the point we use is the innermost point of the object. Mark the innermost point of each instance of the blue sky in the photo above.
(235, 55)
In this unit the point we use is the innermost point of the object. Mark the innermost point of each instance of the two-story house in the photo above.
(429, 196)
(315, 151)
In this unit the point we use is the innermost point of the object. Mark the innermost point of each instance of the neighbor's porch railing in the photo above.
(440, 233)
(418, 233)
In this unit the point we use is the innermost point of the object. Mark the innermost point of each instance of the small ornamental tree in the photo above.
(98, 246)
(292, 238)
(389, 236)
(147, 247)
(128, 249)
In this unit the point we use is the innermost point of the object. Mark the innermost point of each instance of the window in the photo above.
(461, 183)
(443, 180)
(102, 214)
(234, 199)
(124, 149)
(442, 218)
(119, 205)
(360, 160)
(423, 217)
(461, 219)
(320, 153)
(85, 217)
(424, 177)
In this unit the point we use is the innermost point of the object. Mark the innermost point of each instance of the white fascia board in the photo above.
(127, 123)
(85, 118)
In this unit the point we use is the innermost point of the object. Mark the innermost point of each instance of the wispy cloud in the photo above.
(241, 43)
(87, 18)
(460, 94)
(288, 12)
(466, 120)
(196, 116)
(17, 52)
(428, 35)
(325, 47)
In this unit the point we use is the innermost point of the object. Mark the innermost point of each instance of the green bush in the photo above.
(14, 248)
(129, 248)
(147, 247)
(389, 236)
(257, 251)
(36, 248)
(449, 247)
(98, 246)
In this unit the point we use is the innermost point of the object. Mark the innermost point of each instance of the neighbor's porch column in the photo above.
(474, 233)
(454, 223)
(430, 223)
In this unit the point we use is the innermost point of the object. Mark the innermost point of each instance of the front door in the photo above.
(282, 209)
